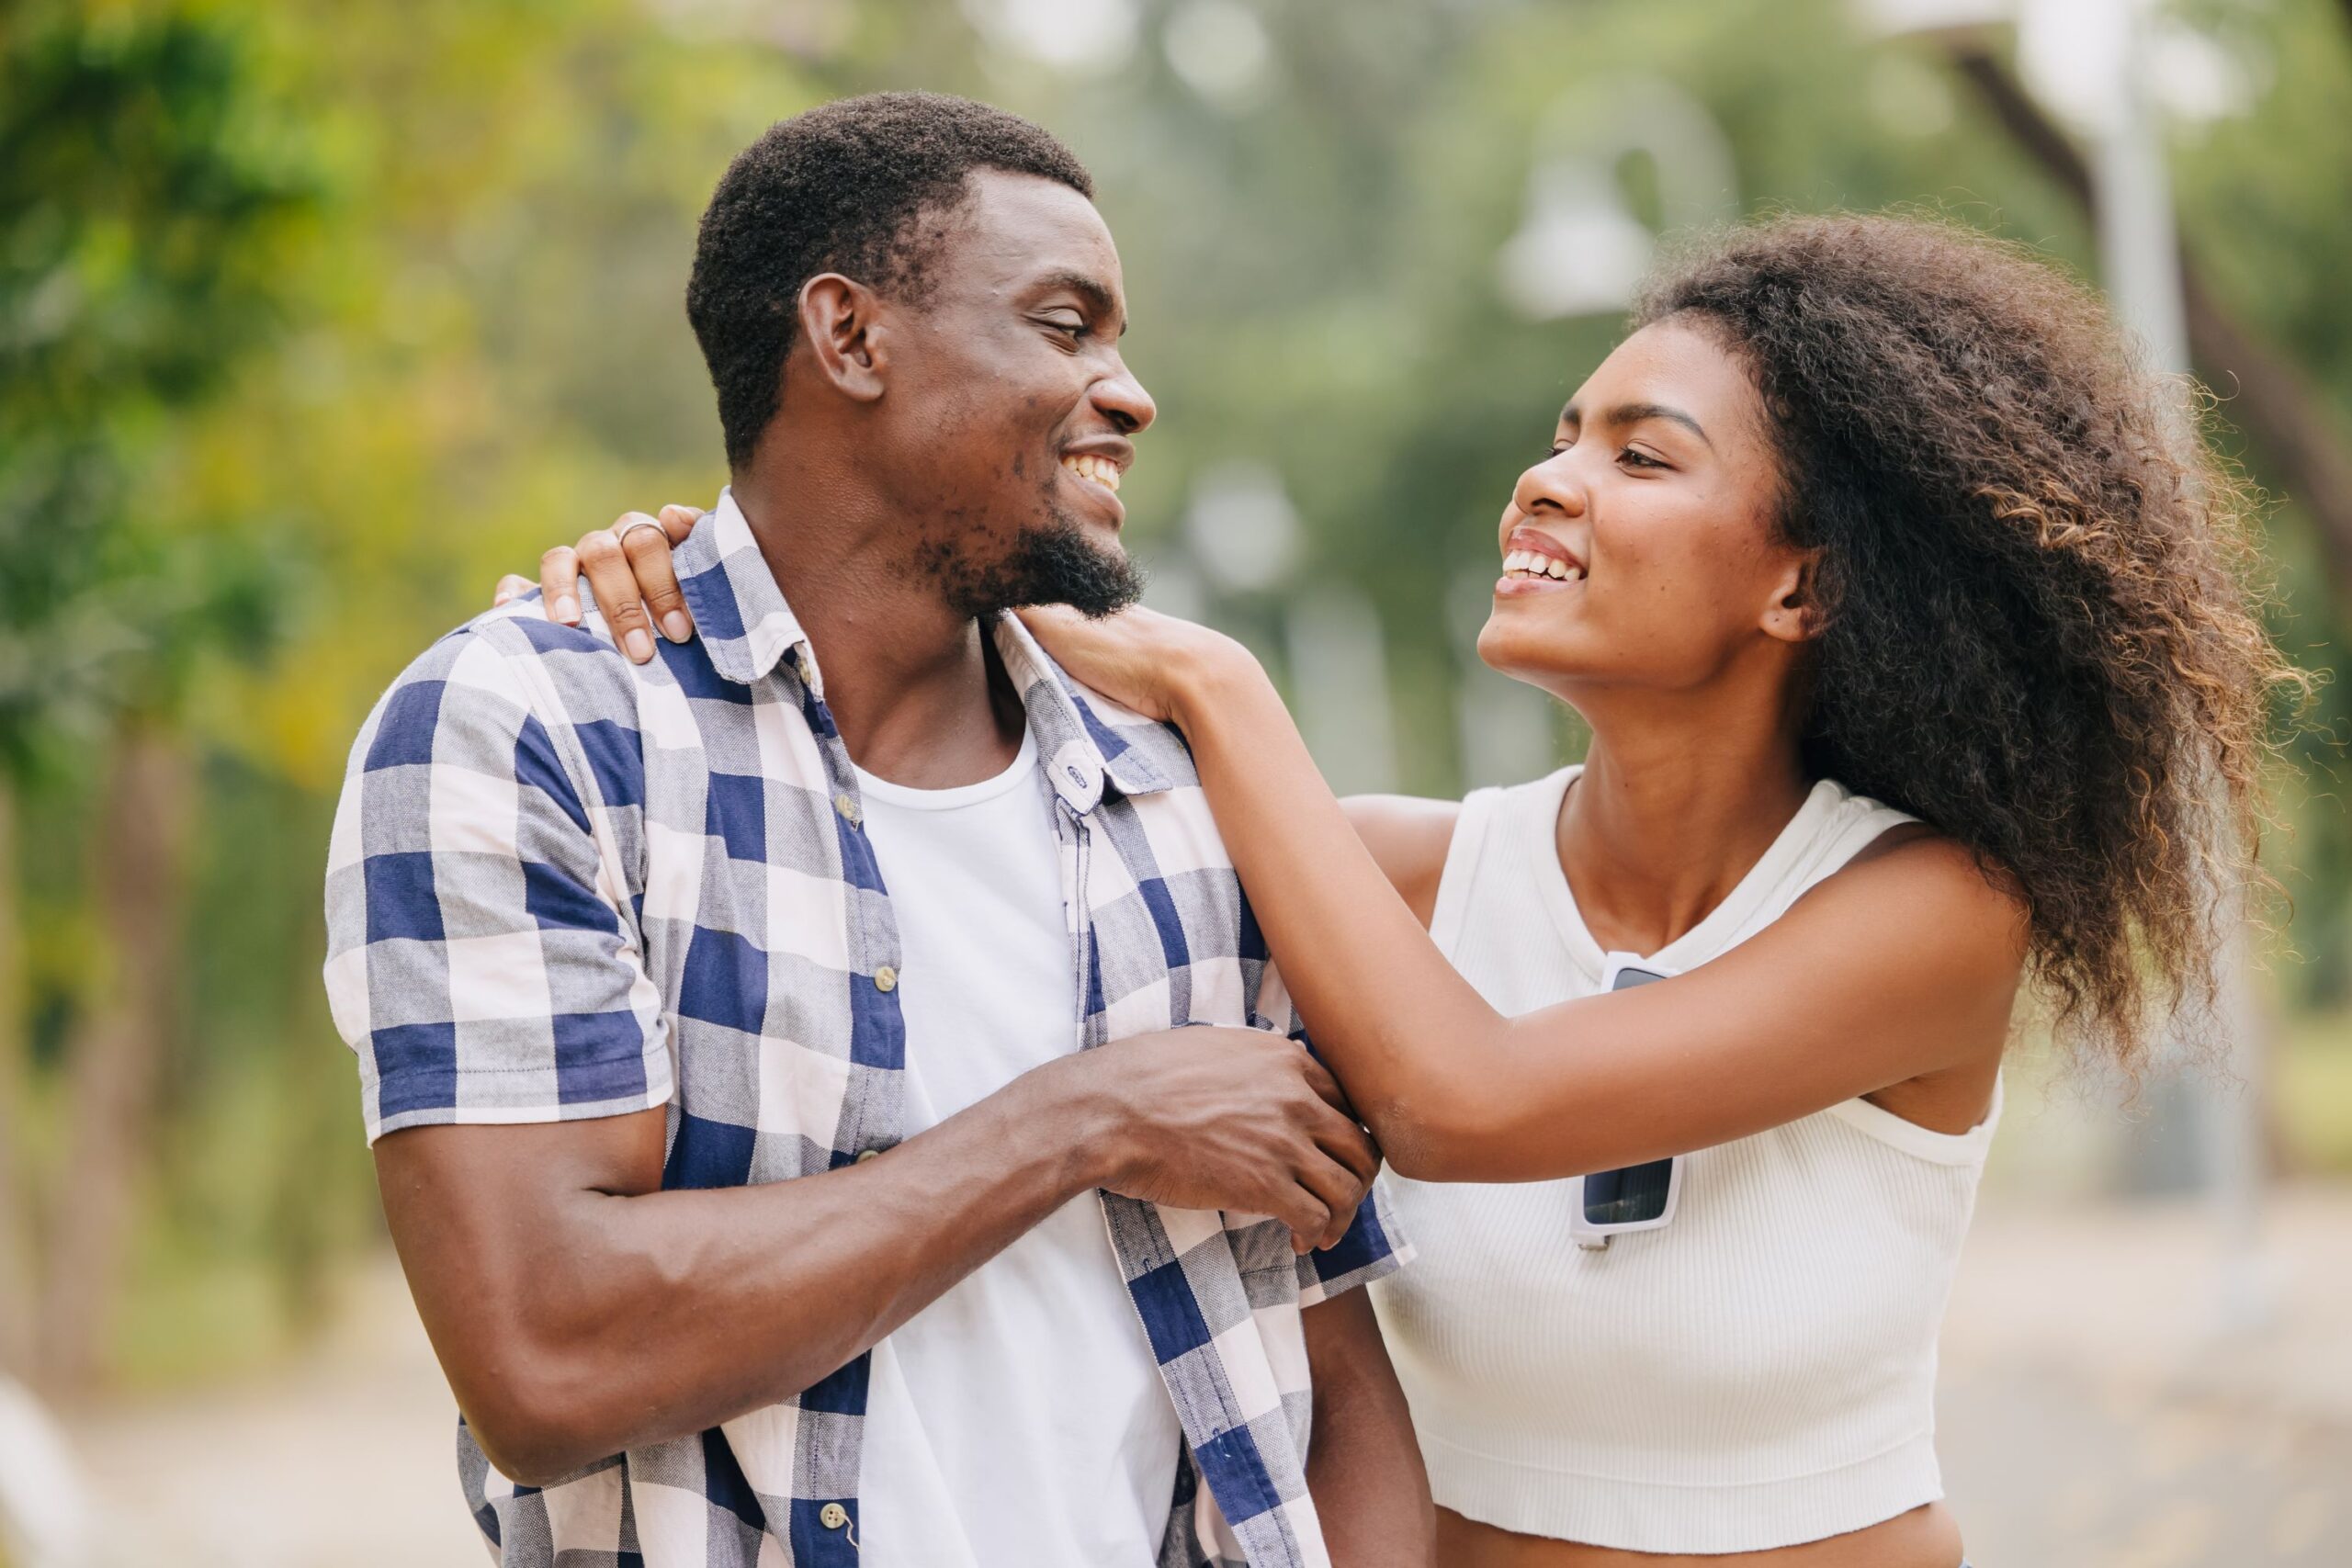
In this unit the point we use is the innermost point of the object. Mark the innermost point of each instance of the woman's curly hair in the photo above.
(2038, 630)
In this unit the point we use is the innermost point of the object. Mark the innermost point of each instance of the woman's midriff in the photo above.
(1927, 1536)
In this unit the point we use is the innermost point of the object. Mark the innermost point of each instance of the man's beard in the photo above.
(1058, 564)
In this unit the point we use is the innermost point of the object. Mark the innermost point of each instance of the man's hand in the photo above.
(579, 1310)
(627, 567)
(1241, 1120)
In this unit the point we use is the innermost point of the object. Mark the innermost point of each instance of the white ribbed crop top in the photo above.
(1758, 1373)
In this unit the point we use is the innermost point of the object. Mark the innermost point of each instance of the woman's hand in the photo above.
(628, 571)
(1158, 665)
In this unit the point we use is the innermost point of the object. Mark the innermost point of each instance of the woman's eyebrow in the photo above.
(1634, 413)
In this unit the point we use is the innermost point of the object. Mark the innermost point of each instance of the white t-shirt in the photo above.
(1020, 1417)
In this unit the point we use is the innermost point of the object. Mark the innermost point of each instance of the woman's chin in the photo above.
(1542, 658)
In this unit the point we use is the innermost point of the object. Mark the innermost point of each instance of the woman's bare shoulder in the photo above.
(1409, 836)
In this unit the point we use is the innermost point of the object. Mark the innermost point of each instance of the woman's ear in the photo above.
(1794, 611)
(840, 322)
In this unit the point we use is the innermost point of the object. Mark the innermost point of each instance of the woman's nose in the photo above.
(1549, 488)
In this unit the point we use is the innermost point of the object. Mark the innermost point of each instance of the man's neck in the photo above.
(908, 678)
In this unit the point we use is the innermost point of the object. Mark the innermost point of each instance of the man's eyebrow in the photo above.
(1634, 413)
(1098, 296)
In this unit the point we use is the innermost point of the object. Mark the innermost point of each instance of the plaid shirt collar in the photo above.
(740, 613)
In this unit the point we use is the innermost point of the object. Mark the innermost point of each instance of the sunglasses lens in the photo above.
(1635, 1195)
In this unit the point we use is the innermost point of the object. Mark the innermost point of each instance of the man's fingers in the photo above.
(1319, 1079)
(559, 584)
(508, 586)
(1339, 1189)
(677, 522)
(1352, 1146)
(614, 585)
(1307, 1215)
(648, 559)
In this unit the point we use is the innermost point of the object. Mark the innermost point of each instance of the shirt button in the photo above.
(801, 666)
(847, 807)
(886, 978)
(865, 1154)
(832, 1516)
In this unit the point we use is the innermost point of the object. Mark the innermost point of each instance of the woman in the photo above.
(1904, 611)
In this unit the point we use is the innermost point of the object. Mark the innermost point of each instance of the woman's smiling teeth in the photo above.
(1534, 563)
(1101, 470)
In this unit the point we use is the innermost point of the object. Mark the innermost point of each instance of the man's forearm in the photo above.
(1363, 1465)
(631, 1316)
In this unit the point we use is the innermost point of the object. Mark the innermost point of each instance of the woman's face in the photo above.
(1640, 551)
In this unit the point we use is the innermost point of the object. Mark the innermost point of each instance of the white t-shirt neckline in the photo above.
(909, 798)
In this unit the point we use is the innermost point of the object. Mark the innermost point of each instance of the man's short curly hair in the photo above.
(2039, 631)
(842, 188)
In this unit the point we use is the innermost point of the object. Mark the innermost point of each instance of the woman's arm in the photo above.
(1901, 966)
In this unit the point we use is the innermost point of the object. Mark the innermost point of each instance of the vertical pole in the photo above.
(2140, 251)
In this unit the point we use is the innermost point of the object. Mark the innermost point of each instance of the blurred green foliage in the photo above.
(315, 317)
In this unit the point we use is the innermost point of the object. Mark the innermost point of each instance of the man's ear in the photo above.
(841, 323)
(1794, 611)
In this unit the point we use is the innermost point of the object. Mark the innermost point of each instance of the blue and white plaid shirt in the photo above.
(565, 886)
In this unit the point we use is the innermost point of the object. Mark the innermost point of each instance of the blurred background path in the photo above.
(2091, 1418)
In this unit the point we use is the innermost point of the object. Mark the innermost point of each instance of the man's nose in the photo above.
(1122, 396)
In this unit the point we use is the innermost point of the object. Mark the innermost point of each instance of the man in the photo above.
(719, 1018)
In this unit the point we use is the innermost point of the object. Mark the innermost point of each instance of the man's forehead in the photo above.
(1019, 231)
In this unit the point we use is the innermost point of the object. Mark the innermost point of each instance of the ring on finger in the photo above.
(621, 531)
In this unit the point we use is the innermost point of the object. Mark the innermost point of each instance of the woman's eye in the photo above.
(1634, 458)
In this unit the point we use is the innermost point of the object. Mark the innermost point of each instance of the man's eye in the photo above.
(1074, 325)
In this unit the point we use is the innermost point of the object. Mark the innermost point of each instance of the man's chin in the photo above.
(1065, 562)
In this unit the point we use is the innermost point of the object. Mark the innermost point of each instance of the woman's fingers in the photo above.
(559, 584)
(614, 585)
(628, 570)
(648, 550)
(508, 586)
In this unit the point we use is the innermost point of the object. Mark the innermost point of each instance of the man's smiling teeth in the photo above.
(1535, 563)
(1101, 470)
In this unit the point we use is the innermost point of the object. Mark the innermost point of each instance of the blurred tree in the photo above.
(143, 207)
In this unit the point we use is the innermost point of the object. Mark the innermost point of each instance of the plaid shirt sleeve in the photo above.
(479, 961)
(1373, 1247)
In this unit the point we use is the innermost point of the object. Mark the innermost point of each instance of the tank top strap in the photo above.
(1844, 824)
(1461, 872)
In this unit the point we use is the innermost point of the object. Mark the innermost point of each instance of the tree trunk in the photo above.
(2266, 395)
(16, 1202)
(137, 868)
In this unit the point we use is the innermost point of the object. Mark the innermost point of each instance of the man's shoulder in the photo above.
(1130, 742)
(514, 657)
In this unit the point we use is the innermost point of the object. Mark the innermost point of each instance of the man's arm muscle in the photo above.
(578, 1310)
